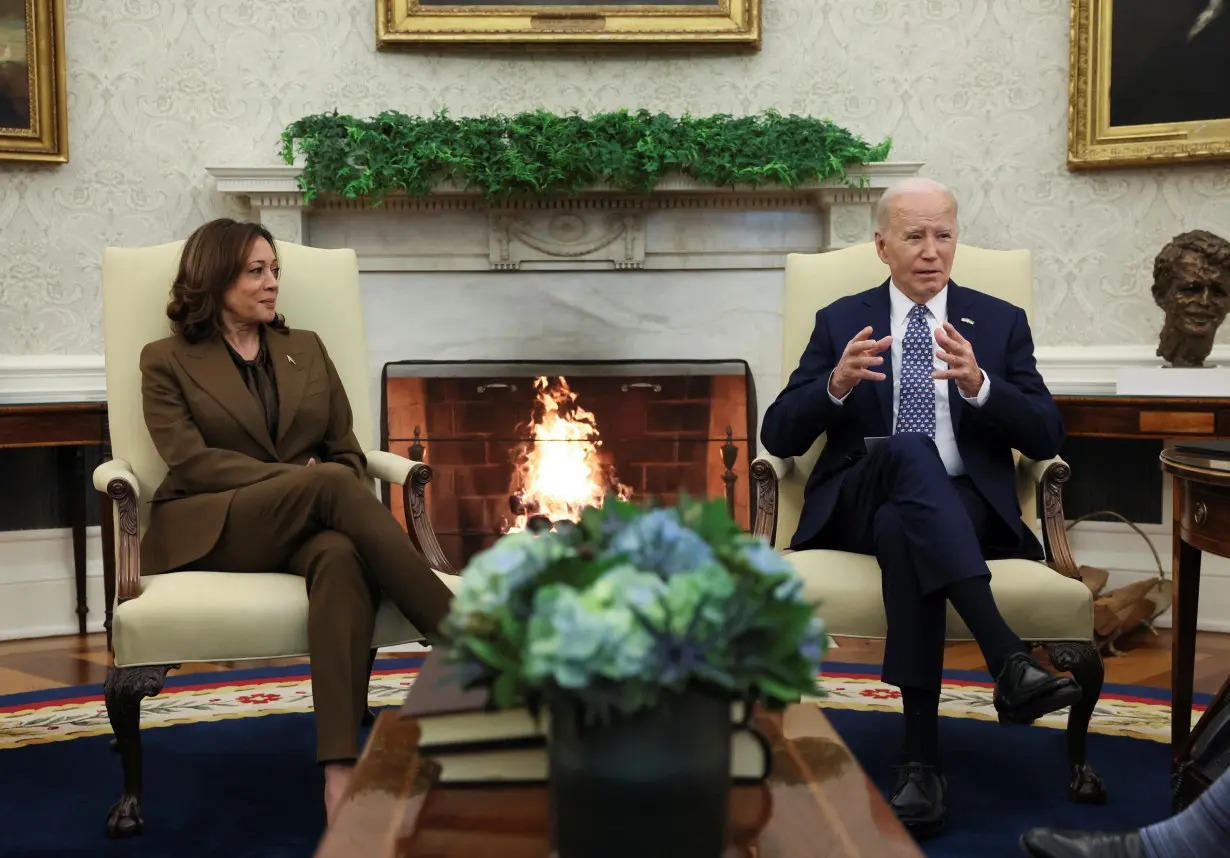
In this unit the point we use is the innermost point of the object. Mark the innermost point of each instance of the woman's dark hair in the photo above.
(213, 256)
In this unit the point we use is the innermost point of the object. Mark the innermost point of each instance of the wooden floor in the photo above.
(34, 665)
(1145, 660)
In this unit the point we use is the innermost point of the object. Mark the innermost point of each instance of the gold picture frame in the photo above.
(33, 109)
(1139, 91)
(409, 23)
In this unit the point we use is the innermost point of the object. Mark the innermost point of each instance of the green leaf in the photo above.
(778, 691)
(510, 629)
(539, 153)
(504, 691)
(490, 655)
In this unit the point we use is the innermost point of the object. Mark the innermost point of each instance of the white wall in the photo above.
(976, 89)
(38, 593)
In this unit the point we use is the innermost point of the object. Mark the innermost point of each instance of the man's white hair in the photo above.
(912, 185)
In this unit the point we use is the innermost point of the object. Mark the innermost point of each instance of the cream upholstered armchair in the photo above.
(163, 621)
(1045, 604)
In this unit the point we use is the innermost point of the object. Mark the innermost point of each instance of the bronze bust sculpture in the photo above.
(1191, 283)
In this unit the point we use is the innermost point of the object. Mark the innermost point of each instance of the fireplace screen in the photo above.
(517, 444)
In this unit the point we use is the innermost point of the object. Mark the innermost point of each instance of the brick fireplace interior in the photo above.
(665, 427)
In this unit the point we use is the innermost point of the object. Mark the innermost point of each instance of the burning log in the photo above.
(559, 472)
(535, 522)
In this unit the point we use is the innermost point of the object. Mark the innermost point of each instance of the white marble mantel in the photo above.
(685, 272)
(681, 224)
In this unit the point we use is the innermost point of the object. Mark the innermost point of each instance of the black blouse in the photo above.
(258, 376)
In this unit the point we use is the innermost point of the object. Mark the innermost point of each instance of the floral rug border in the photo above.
(61, 720)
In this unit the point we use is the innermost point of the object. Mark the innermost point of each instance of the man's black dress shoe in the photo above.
(1025, 690)
(1056, 843)
(918, 799)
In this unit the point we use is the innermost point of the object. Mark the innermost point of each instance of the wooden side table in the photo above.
(1159, 417)
(1201, 505)
(819, 801)
(70, 426)
(1201, 523)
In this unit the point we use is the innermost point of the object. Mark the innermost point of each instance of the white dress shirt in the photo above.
(945, 437)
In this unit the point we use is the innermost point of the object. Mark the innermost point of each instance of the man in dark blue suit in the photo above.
(944, 380)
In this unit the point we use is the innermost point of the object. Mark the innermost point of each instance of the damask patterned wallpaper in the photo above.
(975, 88)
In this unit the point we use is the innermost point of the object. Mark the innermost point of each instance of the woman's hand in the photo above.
(311, 462)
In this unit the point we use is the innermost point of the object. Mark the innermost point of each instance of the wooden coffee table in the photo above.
(818, 802)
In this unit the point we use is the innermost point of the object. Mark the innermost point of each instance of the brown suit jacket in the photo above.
(208, 428)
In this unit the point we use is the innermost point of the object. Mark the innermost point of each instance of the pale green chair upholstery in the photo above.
(1045, 604)
(162, 621)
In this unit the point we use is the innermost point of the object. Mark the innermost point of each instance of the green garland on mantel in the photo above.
(538, 153)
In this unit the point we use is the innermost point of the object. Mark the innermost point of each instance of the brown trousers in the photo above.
(324, 524)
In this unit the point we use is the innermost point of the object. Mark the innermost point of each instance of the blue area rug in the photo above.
(1005, 780)
(222, 782)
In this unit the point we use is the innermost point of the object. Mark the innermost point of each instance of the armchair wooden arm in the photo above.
(766, 472)
(116, 480)
(413, 477)
(1051, 474)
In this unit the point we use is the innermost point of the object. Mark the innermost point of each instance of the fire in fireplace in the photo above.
(520, 444)
(558, 472)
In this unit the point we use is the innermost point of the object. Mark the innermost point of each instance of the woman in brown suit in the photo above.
(265, 473)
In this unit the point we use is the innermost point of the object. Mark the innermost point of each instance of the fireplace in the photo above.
(515, 444)
(694, 273)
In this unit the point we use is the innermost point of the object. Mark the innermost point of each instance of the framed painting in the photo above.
(33, 114)
(1149, 82)
(404, 23)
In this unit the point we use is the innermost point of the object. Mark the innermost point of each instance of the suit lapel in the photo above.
(958, 312)
(290, 368)
(211, 367)
(881, 326)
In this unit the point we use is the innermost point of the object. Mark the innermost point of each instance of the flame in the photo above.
(559, 472)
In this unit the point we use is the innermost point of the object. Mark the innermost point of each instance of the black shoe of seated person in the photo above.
(1025, 691)
(920, 799)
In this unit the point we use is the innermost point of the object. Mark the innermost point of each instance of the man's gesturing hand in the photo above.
(956, 351)
(860, 354)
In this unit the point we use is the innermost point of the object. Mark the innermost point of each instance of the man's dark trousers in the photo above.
(927, 530)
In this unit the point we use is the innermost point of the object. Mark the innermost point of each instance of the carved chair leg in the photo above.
(369, 717)
(1084, 662)
(123, 691)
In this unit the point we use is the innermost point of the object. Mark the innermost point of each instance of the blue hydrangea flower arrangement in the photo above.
(632, 603)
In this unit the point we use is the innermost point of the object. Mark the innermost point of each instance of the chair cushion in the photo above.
(1036, 601)
(229, 616)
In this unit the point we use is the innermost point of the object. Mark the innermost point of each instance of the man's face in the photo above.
(918, 243)
(1198, 297)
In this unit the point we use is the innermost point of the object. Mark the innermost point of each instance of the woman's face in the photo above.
(252, 297)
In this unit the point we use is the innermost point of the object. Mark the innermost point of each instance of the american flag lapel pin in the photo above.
(963, 319)
(292, 360)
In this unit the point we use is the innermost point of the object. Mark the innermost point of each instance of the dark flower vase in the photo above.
(651, 785)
